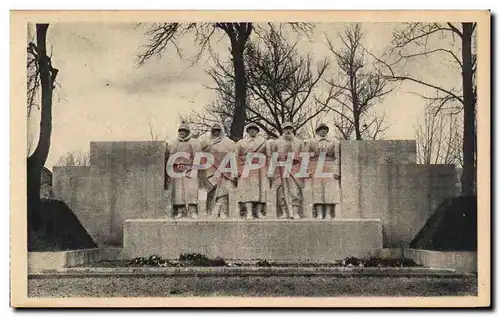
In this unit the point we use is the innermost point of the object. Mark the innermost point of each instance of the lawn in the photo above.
(314, 286)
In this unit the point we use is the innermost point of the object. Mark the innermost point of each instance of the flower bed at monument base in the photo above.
(200, 260)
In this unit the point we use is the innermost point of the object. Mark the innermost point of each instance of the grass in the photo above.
(316, 286)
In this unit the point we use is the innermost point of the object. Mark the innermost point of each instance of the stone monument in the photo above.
(284, 173)
(179, 173)
(374, 196)
(218, 182)
(251, 152)
(325, 191)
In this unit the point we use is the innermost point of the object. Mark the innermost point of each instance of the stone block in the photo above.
(403, 197)
(42, 261)
(380, 179)
(460, 261)
(45, 261)
(359, 161)
(124, 180)
(274, 240)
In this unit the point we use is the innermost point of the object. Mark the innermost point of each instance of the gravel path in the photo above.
(318, 286)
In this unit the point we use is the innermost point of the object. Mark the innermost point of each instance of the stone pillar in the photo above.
(381, 180)
(124, 180)
(358, 165)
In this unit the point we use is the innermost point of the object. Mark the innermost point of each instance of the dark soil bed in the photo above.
(195, 259)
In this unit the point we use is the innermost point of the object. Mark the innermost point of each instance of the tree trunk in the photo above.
(357, 129)
(33, 192)
(240, 93)
(37, 160)
(469, 168)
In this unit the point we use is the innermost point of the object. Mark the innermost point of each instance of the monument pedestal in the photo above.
(275, 240)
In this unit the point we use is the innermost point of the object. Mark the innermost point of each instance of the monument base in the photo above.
(318, 241)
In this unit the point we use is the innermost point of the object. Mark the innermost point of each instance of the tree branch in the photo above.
(454, 29)
(427, 85)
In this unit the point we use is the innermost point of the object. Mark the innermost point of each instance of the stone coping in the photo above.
(71, 251)
(460, 261)
(205, 220)
(53, 260)
(63, 262)
(248, 271)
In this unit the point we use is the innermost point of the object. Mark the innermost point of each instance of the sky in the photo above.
(102, 94)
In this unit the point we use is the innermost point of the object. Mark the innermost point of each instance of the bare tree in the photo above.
(281, 85)
(152, 133)
(453, 43)
(439, 139)
(309, 129)
(356, 90)
(218, 111)
(30, 145)
(74, 158)
(33, 75)
(162, 35)
(47, 74)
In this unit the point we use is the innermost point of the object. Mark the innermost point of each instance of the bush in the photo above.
(197, 259)
(263, 263)
(378, 262)
(153, 260)
(185, 259)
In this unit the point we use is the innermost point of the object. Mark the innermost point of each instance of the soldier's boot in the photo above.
(287, 212)
(249, 215)
(193, 211)
(283, 214)
(318, 212)
(295, 212)
(216, 211)
(180, 213)
(223, 207)
(259, 211)
(328, 212)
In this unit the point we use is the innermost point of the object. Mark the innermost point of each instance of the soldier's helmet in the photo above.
(287, 124)
(217, 126)
(183, 126)
(252, 125)
(322, 126)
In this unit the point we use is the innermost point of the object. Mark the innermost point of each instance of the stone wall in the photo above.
(124, 180)
(276, 240)
(359, 160)
(381, 180)
(74, 185)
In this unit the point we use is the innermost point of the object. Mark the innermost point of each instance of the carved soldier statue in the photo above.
(285, 166)
(251, 155)
(324, 160)
(218, 182)
(184, 184)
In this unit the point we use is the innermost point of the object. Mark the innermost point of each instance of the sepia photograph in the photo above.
(291, 159)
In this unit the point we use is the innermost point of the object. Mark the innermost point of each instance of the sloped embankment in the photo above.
(61, 229)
